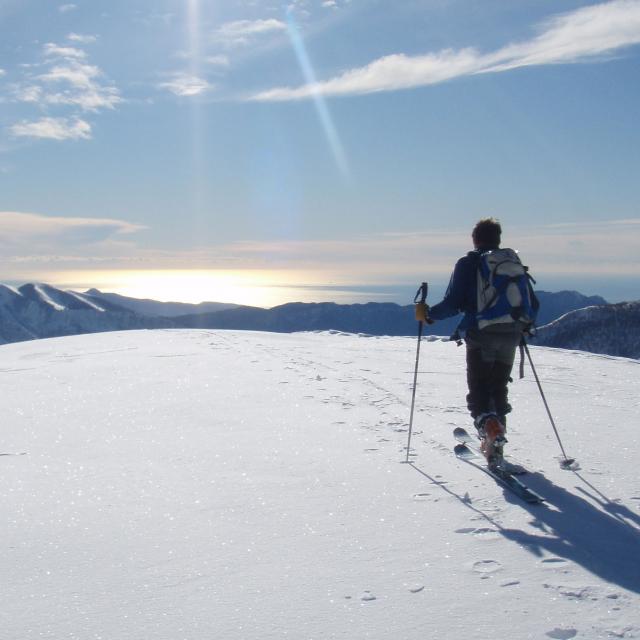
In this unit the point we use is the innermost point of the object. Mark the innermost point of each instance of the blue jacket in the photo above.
(461, 295)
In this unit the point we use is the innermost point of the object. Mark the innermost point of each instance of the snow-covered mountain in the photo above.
(41, 311)
(249, 486)
(612, 329)
(554, 304)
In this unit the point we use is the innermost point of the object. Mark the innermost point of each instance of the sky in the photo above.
(263, 152)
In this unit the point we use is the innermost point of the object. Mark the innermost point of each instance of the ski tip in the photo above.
(462, 451)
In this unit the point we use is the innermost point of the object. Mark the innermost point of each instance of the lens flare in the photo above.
(318, 99)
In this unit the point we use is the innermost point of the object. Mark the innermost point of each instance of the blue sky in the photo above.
(261, 152)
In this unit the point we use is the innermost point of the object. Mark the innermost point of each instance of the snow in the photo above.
(245, 485)
(47, 299)
(8, 293)
(87, 301)
(12, 289)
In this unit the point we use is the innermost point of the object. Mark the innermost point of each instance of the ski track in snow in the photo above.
(251, 485)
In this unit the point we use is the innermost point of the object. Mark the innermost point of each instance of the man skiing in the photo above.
(492, 329)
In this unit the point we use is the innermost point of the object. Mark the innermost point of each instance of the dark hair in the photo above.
(487, 233)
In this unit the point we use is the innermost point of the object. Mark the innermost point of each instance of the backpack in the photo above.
(504, 291)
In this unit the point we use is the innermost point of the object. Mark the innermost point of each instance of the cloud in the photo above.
(82, 39)
(31, 93)
(550, 250)
(52, 129)
(78, 75)
(186, 85)
(81, 86)
(51, 50)
(24, 229)
(560, 252)
(69, 80)
(65, 8)
(2, 72)
(31, 244)
(217, 61)
(240, 32)
(582, 35)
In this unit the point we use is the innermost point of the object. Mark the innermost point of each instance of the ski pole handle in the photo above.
(422, 309)
(421, 293)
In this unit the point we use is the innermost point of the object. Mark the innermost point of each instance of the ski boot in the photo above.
(492, 438)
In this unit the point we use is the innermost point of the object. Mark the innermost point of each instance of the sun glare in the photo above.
(248, 287)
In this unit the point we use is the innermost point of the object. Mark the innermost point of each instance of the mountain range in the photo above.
(612, 329)
(567, 319)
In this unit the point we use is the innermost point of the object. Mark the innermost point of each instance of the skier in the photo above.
(490, 350)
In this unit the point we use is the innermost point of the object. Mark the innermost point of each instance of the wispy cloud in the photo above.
(23, 229)
(64, 79)
(186, 85)
(82, 39)
(566, 252)
(51, 49)
(399, 257)
(217, 61)
(65, 8)
(52, 129)
(80, 85)
(241, 32)
(582, 35)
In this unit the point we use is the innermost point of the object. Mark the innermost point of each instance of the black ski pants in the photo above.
(490, 356)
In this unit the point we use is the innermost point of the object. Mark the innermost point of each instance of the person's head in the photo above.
(486, 234)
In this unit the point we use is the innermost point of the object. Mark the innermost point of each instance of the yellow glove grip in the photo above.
(421, 312)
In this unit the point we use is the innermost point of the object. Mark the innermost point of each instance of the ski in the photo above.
(506, 479)
(463, 436)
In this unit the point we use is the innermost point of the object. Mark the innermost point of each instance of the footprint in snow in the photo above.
(486, 567)
(367, 596)
(477, 531)
(562, 634)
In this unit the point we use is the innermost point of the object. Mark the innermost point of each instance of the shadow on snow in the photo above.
(604, 539)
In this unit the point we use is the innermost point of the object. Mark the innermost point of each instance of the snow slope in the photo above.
(185, 484)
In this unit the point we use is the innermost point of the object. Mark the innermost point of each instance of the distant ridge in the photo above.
(612, 329)
(150, 307)
(571, 320)
(375, 318)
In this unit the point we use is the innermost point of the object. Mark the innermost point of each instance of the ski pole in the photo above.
(567, 462)
(420, 297)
